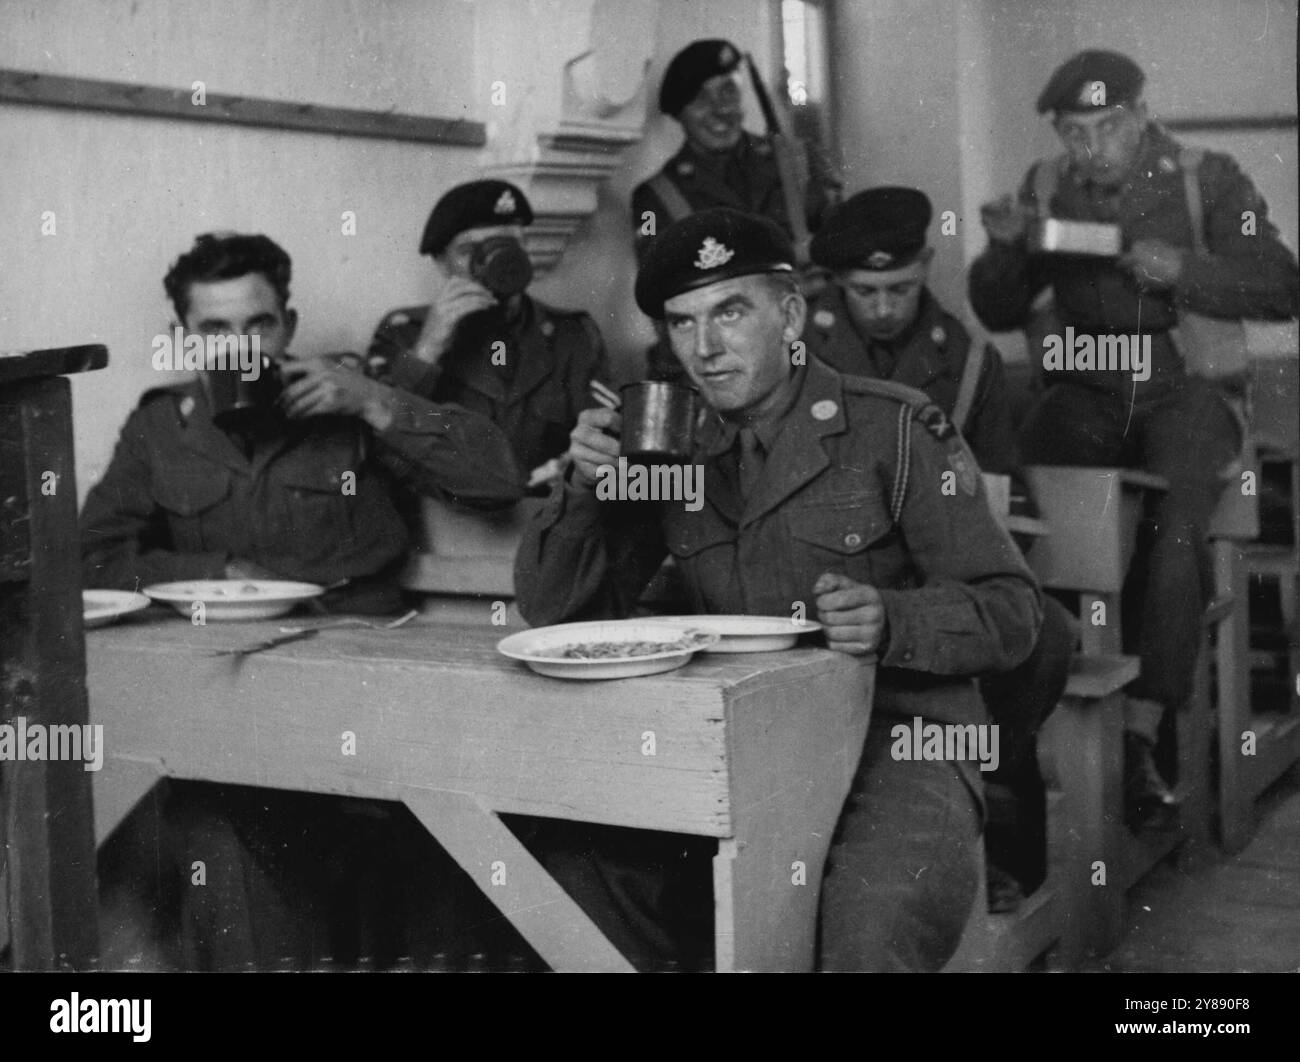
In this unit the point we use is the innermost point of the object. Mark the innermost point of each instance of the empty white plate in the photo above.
(745, 634)
(234, 599)
(101, 607)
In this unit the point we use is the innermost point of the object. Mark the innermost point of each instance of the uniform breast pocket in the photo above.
(845, 535)
(315, 504)
(692, 534)
(703, 548)
(191, 497)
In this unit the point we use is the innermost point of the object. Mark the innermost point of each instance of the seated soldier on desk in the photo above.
(880, 319)
(818, 488)
(484, 342)
(293, 487)
(1128, 178)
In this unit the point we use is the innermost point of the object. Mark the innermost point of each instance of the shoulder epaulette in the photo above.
(912, 405)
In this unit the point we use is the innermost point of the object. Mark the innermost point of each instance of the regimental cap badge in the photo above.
(713, 254)
(505, 204)
(1092, 94)
(880, 259)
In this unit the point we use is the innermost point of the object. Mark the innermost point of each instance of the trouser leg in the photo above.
(650, 893)
(1189, 437)
(903, 867)
(1019, 701)
(253, 891)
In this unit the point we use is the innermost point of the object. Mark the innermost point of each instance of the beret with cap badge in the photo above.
(706, 247)
(1090, 81)
(475, 205)
(691, 68)
(878, 229)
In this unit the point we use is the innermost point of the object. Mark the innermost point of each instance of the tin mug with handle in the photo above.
(658, 422)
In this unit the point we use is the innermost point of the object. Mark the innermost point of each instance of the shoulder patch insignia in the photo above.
(959, 460)
(936, 422)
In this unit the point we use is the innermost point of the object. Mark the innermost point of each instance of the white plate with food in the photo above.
(745, 634)
(234, 599)
(99, 608)
(605, 649)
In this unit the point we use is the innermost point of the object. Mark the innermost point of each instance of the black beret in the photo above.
(690, 68)
(881, 228)
(478, 204)
(703, 248)
(1090, 81)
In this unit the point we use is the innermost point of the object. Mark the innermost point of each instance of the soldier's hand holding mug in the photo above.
(852, 613)
(594, 442)
(455, 299)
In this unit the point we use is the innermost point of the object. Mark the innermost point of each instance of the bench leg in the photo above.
(1087, 741)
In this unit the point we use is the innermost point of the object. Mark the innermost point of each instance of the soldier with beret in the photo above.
(1121, 169)
(720, 164)
(484, 343)
(879, 319)
(822, 488)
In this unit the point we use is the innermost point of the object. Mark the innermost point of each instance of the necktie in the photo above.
(751, 461)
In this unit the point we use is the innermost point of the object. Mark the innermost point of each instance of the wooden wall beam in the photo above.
(151, 101)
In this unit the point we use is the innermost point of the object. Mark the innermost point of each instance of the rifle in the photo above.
(786, 148)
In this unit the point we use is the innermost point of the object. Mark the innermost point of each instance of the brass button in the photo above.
(853, 540)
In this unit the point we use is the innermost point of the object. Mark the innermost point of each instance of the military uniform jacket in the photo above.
(180, 499)
(930, 357)
(551, 358)
(1239, 276)
(745, 179)
(853, 484)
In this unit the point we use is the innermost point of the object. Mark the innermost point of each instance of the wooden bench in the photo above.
(1255, 748)
(1009, 943)
(465, 563)
(1093, 514)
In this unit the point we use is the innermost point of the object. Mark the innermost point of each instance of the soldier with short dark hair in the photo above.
(296, 483)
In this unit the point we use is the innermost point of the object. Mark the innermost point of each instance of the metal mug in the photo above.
(234, 398)
(658, 422)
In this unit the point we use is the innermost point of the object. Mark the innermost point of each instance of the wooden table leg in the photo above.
(119, 786)
(516, 883)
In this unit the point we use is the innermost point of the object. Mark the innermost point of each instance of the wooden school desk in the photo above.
(757, 750)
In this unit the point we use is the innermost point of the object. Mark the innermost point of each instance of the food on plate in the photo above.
(623, 650)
